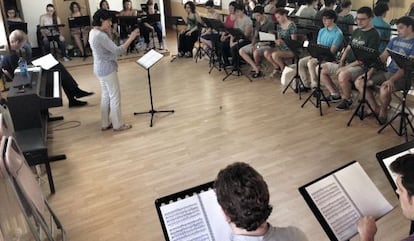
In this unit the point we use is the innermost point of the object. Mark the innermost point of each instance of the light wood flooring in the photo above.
(106, 188)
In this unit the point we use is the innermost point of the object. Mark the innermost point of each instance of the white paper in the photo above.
(344, 197)
(29, 69)
(149, 59)
(46, 62)
(185, 220)
(266, 36)
(215, 216)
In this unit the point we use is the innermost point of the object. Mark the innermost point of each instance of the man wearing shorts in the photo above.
(348, 68)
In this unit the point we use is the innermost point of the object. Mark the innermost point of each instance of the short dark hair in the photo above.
(238, 7)
(365, 10)
(346, 4)
(209, 3)
(404, 166)
(243, 195)
(281, 11)
(407, 21)
(329, 2)
(99, 16)
(72, 6)
(380, 9)
(191, 4)
(258, 9)
(233, 4)
(330, 14)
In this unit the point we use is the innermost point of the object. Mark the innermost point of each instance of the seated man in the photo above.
(244, 198)
(154, 27)
(256, 48)
(404, 168)
(330, 36)
(392, 80)
(17, 39)
(349, 68)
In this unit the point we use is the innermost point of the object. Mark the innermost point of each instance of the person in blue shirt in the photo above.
(330, 36)
(393, 79)
(383, 28)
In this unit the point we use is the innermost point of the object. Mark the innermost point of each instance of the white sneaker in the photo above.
(66, 59)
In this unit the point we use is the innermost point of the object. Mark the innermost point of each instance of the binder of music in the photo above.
(339, 198)
(193, 214)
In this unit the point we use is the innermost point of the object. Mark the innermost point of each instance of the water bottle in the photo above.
(23, 66)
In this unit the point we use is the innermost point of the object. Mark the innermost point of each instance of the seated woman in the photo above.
(127, 11)
(12, 21)
(52, 33)
(151, 27)
(189, 35)
(286, 29)
(207, 34)
(245, 25)
(224, 44)
(80, 34)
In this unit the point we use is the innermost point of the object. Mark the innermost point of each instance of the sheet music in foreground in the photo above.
(46, 62)
(149, 59)
(198, 217)
(340, 198)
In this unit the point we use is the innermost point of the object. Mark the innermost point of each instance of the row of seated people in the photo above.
(347, 69)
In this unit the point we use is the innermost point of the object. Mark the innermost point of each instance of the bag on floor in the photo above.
(287, 75)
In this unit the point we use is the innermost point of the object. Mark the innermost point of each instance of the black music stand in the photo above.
(53, 38)
(176, 20)
(238, 35)
(17, 25)
(147, 61)
(152, 19)
(200, 52)
(321, 53)
(407, 64)
(370, 59)
(295, 46)
(219, 27)
(127, 24)
(80, 22)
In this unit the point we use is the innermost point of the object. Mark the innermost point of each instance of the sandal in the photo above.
(257, 74)
(106, 128)
(124, 127)
(275, 72)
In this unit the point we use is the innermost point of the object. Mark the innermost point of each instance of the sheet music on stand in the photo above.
(46, 62)
(149, 59)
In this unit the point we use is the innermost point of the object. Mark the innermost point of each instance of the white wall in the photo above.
(31, 12)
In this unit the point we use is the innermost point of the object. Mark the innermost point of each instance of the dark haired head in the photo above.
(72, 6)
(407, 21)
(209, 3)
(404, 166)
(281, 4)
(346, 4)
(50, 6)
(329, 3)
(258, 9)
(102, 2)
(243, 195)
(330, 14)
(233, 4)
(100, 16)
(380, 9)
(238, 7)
(191, 5)
(281, 11)
(365, 10)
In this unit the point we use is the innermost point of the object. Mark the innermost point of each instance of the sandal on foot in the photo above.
(123, 127)
(257, 74)
(106, 128)
(275, 72)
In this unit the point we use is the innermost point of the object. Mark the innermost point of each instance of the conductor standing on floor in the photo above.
(105, 67)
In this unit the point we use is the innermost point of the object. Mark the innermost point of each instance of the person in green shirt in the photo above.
(348, 68)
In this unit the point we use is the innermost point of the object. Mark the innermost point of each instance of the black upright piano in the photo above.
(29, 98)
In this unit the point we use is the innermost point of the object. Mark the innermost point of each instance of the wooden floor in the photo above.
(106, 188)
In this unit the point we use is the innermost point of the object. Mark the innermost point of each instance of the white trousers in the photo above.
(110, 101)
(307, 71)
